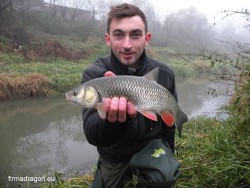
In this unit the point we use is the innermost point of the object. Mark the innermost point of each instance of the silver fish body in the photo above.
(148, 97)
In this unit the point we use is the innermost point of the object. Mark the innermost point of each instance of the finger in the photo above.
(122, 113)
(106, 103)
(131, 110)
(113, 109)
(109, 74)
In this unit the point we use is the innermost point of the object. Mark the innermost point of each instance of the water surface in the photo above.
(37, 135)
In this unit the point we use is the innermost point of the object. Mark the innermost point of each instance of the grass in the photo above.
(217, 154)
(30, 85)
(75, 181)
(61, 74)
(214, 153)
(60, 61)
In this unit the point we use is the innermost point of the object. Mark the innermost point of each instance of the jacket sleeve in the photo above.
(99, 132)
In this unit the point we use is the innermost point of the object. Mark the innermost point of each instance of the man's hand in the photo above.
(118, 108)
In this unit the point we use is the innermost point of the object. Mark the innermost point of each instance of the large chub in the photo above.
(145, 93)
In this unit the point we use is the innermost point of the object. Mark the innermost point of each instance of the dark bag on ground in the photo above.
(155, 165)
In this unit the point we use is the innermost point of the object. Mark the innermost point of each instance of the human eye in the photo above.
(118, 35)
(136, 34)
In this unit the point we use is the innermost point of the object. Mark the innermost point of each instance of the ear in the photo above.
(147, 38)
(107, 39)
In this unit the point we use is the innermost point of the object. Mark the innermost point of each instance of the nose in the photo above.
(127, 43)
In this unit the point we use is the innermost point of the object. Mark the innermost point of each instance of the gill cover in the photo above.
(90, 97)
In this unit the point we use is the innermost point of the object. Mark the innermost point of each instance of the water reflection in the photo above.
(195, 101)
(39, 134)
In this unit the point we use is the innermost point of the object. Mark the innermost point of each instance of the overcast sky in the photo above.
(209, 7)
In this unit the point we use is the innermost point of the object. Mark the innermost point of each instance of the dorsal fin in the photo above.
(152, 75)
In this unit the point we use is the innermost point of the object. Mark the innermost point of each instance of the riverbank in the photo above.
(51, 63)
(22, 77)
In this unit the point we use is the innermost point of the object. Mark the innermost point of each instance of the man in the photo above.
(124, 132)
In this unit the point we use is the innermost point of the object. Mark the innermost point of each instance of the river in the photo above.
(40, 135)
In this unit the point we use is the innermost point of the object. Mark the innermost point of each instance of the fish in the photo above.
(148, 97)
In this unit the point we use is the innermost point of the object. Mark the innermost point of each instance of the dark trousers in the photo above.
(114, 175)
(111, 175)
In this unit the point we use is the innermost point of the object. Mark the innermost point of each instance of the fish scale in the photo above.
(123, 86)
(148, 97)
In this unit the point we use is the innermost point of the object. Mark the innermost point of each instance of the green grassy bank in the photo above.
(58, 65)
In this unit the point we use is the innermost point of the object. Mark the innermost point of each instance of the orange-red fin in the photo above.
(149, 114)
(168, 118)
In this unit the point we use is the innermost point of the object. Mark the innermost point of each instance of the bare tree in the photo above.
(94, 6)
(6, 16)
(26, 5)
(4, 5)
(243, 12)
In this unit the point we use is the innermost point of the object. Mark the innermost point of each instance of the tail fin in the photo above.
(180, 119)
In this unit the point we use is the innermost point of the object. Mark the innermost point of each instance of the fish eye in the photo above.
(74, 93)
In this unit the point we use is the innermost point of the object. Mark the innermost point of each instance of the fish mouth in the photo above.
(68, 97)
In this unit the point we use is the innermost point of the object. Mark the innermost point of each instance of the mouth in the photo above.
(127, 55)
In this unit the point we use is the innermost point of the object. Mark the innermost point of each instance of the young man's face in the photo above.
(127, 39)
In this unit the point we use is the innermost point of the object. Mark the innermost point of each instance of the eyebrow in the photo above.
(121, 31)
(118, 31)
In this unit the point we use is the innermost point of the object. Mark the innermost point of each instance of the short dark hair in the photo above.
(125, 10)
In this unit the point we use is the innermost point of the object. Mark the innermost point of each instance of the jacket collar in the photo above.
(118, 68)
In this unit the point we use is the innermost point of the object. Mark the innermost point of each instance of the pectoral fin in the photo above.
(168, 118)
(101, 111)
(149, 114)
